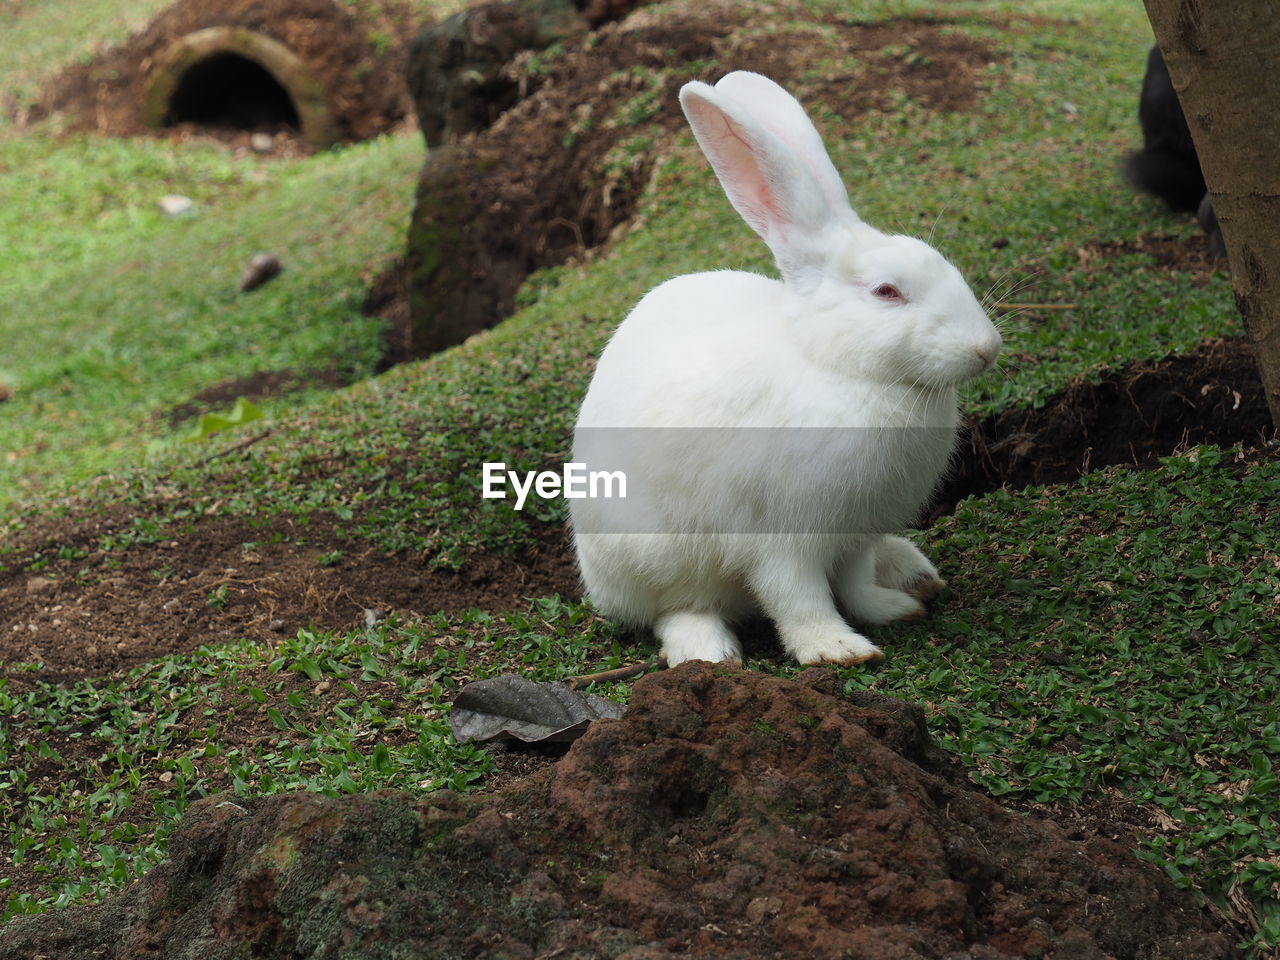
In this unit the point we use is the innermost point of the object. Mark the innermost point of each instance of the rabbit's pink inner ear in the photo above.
(781, 114)
(734, 158)
(747, 183)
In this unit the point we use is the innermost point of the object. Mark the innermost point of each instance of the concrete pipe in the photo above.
(240, 78)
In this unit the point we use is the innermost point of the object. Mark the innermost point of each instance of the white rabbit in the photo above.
(774, 434)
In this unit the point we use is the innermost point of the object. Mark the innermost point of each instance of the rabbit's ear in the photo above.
(772, 164)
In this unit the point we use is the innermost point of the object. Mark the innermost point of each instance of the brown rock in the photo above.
(261, 268)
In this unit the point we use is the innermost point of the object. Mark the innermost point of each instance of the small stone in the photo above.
(276, 626)
(171, 606)
(324, 686)
(261, 268)
(175, 205)
(262, 142)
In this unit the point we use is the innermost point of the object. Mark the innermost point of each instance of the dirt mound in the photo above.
(461, 72)
(728, 814)
(354, 52)
(600, 120)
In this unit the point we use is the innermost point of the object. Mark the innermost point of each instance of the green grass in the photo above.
(1104, 642)
(1112, 640)
(117, 312)
(98, 773)
(129, 312)
(1119, 640)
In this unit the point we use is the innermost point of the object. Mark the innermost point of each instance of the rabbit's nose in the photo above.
(987, 353)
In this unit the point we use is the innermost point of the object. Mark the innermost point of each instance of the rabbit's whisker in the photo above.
(938, 218)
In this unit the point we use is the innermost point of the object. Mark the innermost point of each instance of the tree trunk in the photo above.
(1224, 59)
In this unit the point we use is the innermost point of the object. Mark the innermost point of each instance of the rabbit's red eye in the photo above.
(887, 291)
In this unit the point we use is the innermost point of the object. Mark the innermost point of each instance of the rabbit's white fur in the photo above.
(865, 337)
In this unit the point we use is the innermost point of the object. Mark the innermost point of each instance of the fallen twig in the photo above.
(622, 673)
(1037, 306)
(233, 448)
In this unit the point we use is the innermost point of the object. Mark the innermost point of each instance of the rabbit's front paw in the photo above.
(697, 636)
(834, 646)
(877, 605)
(872, 604)
(899, 565)
(926, 588)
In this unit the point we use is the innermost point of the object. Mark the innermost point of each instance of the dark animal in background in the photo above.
(1167, 165)
(1209, 224)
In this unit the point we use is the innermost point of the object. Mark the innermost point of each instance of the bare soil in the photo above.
(1189, 255)
(94, 613)
(257, 386)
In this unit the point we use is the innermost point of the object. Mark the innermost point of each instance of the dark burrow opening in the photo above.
(229, 90)
(1131, 416)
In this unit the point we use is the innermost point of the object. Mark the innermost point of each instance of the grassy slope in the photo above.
(118, 312)
(41, 35)
(127, 312)
(1104, 640)
(141, 311)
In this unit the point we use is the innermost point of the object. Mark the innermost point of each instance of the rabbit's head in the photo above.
(879, 306)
